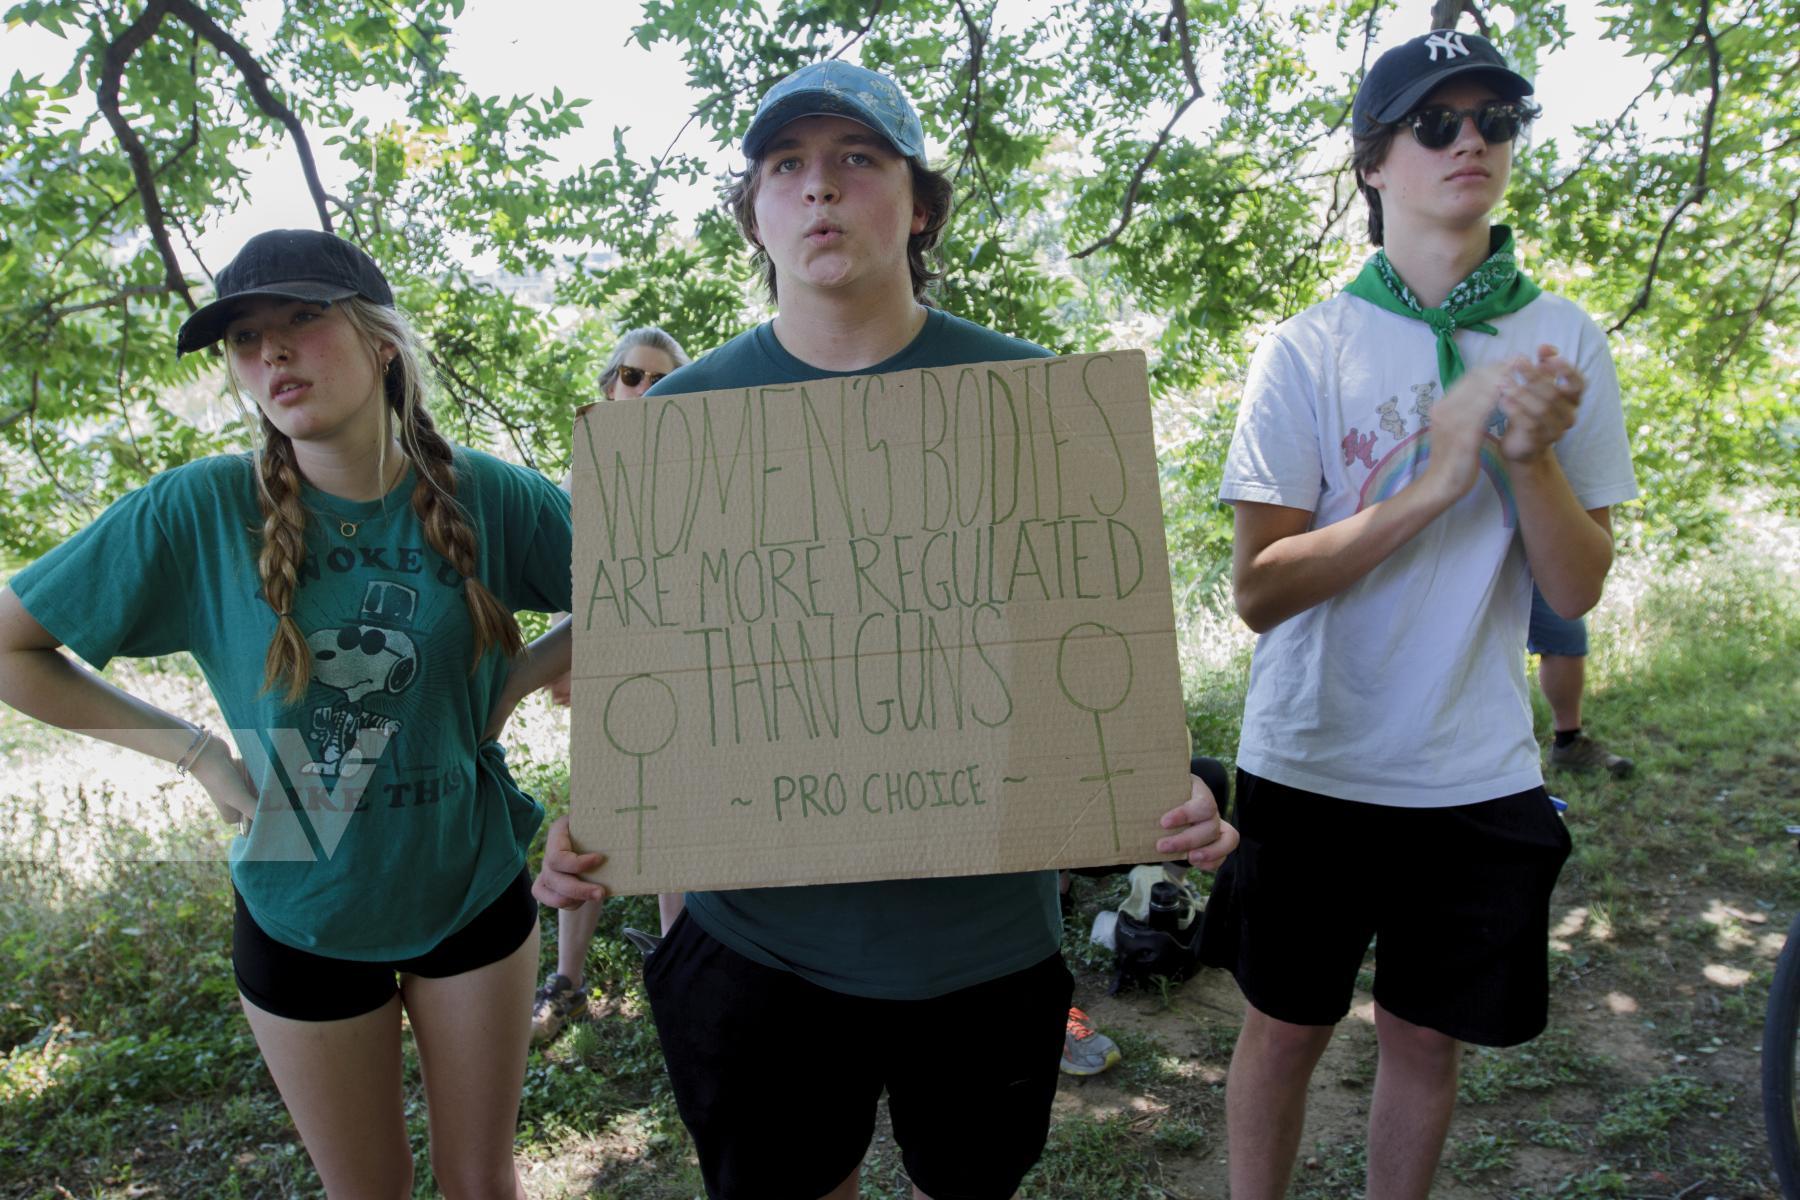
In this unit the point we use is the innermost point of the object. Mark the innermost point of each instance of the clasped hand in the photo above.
(1538, 397)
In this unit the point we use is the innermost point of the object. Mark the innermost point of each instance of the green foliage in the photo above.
(1102, 1158)
(1642, 1117)
(1124, 173)
(1703, 220)
(1488, 1150)
(1551, 1061)
(90, 395)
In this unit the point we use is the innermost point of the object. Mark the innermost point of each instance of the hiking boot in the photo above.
(558, 1003)
(1586, 754)
(1086, 1051)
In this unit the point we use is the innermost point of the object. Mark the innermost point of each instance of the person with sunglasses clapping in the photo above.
(1410, 456)
(640, 361)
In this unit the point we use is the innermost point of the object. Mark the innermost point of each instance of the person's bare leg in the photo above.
(846, 1190)
(1265, 1101)
(340, 1081)
(1415, 1092)
(669, 906)
(1562, 677)
(574, 935)
(472, 1030)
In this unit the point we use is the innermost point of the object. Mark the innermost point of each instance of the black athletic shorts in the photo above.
(1457, 901)
(303, 986)
(777, 1078)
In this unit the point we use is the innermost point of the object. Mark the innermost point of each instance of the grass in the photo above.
(126, 1069)
(1553, 1061)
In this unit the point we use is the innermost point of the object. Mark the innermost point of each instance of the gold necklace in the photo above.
(347, 528)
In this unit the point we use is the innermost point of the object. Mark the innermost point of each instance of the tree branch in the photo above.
(137, 451)
(181, 150)
(1137, 181)
(971, 109)
(193, 250)
(1178, 15)
(38, 453)
(859, 35)
(1697, 193)
(112, 70)
(118, 297)
(1768, 292)
(257, 80)
(426, 65)
(470, 396)
(1596, 144)
(1445, 14)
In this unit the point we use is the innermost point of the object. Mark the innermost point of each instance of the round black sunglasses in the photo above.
(635, 375)
(1436, 126)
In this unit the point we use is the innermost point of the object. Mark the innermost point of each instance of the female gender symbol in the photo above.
(1103, 661)
(655, 701)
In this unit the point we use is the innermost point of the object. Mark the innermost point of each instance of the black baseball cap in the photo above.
(1411, 71)
(294, 264)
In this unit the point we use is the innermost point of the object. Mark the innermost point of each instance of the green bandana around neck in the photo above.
(1493, 289)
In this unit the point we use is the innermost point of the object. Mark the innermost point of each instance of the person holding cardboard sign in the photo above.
(1392, 509)
(784, 1012)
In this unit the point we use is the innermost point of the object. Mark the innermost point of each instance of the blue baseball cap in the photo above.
(838, 89)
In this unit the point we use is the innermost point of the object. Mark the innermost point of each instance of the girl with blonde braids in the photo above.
(348, 591)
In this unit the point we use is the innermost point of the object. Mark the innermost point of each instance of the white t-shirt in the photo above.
(1408, 688)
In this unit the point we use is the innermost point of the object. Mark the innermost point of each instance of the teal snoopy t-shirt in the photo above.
(382, 825)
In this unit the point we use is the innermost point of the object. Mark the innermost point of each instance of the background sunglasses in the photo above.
(632, 376)
(1437, 126)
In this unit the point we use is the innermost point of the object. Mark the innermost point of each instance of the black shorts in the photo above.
(1456, 899)
(303, 986)
(777, 1078)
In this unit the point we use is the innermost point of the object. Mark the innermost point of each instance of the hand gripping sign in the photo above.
(874, 627)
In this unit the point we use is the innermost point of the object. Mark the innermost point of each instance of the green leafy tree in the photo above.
(1170, 174)
(92, 208)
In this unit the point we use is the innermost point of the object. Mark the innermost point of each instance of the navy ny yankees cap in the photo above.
(1411, 71)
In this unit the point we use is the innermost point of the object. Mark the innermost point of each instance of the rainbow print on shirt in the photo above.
(1405, 461)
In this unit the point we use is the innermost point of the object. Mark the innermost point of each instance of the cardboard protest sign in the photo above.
(874, 627)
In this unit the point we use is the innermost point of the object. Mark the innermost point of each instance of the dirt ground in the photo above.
(1652, 1078)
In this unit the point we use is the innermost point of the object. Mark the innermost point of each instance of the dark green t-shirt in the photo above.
(900, 939)
(382, 826)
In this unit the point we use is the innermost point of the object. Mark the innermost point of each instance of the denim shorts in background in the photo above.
(1551, 634)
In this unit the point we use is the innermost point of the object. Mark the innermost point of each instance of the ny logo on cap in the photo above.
(1448, 41)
